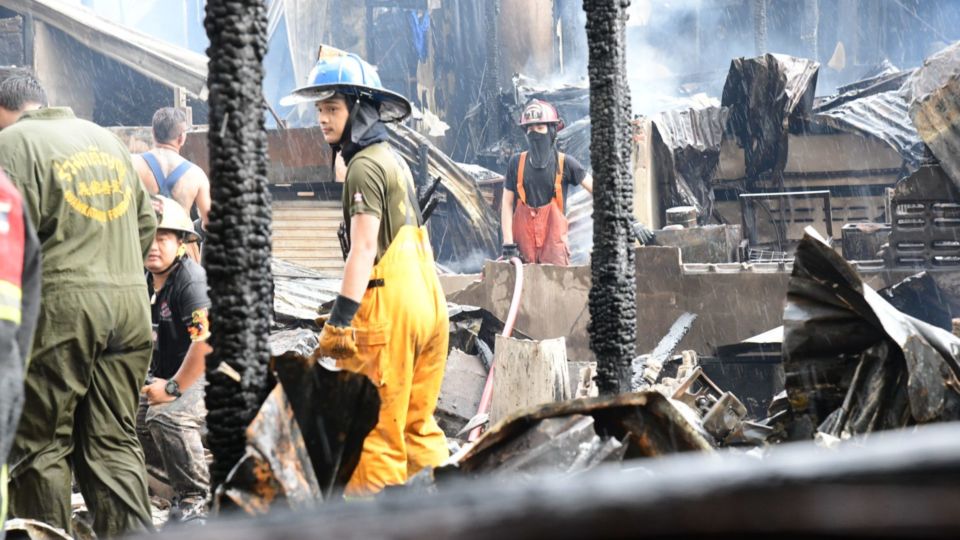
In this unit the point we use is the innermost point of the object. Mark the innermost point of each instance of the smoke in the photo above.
(469, 264)
(678, 49)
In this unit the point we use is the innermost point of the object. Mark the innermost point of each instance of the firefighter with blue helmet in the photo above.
(389, 321)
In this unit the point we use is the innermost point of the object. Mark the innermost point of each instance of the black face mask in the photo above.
(542, 153)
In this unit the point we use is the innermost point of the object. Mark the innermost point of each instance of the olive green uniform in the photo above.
(370, 185)
(93, 340)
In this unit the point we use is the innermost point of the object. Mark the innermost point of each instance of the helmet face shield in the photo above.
(307, 95)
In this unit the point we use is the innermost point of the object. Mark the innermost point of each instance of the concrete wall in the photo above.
(646, 191)
(732, 306)
(554, 301)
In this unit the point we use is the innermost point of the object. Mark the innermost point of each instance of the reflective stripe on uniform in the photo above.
(10, 302)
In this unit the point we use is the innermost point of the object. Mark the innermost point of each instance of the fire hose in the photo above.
(487, 395)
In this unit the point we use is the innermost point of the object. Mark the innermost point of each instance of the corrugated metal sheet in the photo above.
(687, 145)
(298, 292)
(464, 230)
(933, 93)
(937, 117)
(885, 116)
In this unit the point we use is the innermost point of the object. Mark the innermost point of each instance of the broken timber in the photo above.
(528, 373)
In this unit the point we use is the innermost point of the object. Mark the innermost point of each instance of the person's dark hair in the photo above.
(16, 91)
(168, 124)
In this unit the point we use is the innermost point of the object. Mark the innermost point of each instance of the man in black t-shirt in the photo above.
(172, 411)
(533, 213)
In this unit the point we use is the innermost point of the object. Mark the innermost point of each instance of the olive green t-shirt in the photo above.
(377, 184)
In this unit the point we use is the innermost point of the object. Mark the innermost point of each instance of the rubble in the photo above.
(763, 95)
(647, 368)
(921, 297)
(463, 380)
(31, 529)
(305, 441)
(925, 221)
(646, 424)
(883, 115)
(686, 146)
(297, 293)
(895, 484)
(853, 363)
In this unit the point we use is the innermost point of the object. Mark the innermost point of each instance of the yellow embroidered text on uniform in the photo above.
(90, 174)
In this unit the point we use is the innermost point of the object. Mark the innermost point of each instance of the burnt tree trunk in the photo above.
(237, 255)
(613, 305)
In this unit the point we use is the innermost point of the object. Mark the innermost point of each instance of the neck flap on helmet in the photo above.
(363, 128)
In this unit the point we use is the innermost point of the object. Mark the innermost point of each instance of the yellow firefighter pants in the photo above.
(402, 335)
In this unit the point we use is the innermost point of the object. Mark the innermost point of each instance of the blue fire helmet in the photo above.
(349, 74)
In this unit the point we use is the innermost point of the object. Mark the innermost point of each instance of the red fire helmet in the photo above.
(540, 112)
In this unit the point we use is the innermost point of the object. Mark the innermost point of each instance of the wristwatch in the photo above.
(172, 388)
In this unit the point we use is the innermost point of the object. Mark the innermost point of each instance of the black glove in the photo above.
(343, 311)
(510, 251)
(642, 233)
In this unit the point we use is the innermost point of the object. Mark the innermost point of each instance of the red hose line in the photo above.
(487, 395)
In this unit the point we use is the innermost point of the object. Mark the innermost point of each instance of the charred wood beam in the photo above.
(897, 484)
(490, 90)
(237, 256)
(613, 308)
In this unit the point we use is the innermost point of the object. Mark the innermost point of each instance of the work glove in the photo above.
(337, 342)
(643, 235)
(510, 251)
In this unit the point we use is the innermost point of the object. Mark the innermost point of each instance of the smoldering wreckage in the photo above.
(751, 338)
(797, 359)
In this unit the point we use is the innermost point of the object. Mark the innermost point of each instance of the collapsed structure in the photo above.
(803, 286)
(741, 209)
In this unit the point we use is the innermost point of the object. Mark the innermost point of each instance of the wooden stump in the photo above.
(528, 373)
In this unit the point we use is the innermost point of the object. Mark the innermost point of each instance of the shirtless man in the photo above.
(163, 171)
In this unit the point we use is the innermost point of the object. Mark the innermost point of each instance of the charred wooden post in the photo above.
(760, 27)
(237, 256)
(491, 78)
(613, 308)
